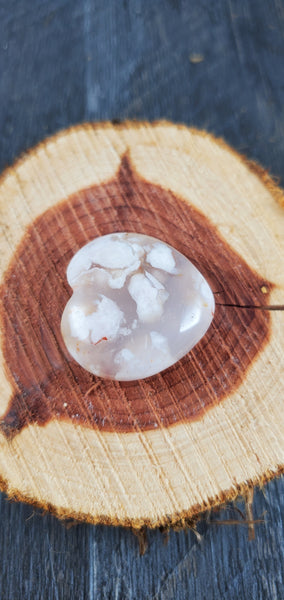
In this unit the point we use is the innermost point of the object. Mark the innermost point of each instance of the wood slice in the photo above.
(160, 450)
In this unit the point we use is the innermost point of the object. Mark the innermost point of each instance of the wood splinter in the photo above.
(249, 514)
(158, 451)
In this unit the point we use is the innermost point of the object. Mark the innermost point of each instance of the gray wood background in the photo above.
(66, 61)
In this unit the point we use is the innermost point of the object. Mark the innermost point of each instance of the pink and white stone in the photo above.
(138, 306)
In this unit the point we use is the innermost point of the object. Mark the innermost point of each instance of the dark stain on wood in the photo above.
(48, 383)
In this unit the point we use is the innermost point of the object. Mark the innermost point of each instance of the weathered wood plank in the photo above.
(63, 62)
(42, 559)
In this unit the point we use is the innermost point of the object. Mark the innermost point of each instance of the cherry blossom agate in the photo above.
(138, 306)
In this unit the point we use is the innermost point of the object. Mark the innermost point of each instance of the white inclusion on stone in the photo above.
(116, 279)
(149, 300)
(112, 254)
(190, 319)
(124, 355)
(104, 322)
(156, 283)
(150, 353)
(124, 331)
(78, 325)
(78, 266)
(128, 362)
(117, 255)
(159, 342)
(161, 257)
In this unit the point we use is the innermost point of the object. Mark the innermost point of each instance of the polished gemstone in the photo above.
(138, 306)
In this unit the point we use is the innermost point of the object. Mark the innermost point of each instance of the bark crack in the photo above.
(252, 306)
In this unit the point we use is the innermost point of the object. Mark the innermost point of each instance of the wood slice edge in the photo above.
(180, 520)
(268, 179)
(226, 496)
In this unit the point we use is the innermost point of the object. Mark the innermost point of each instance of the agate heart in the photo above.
(138, 306)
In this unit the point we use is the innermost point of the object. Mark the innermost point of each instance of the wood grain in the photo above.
(169, 447)
(35, 292)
